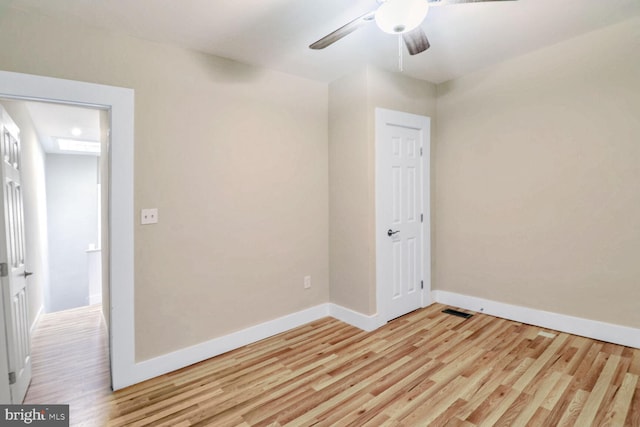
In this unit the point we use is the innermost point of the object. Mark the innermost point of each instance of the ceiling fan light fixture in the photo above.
(401, 16)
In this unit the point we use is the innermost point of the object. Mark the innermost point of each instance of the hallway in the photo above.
(70, 362)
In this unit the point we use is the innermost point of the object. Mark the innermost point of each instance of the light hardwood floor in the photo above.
(70, 364)
(426, 368)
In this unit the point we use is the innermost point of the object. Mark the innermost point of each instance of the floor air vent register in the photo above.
(457, 313)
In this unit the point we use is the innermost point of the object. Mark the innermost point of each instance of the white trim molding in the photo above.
(595, 329)
(36, 320)
(353, 318)
(188, 356)
(160, 365)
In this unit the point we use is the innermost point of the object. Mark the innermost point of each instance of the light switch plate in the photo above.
(149, 216)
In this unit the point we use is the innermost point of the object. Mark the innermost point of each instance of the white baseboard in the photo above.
(602, 331)
(179, 359)
(95, 299)
(187, 356)
(359, 320)
(36, 320)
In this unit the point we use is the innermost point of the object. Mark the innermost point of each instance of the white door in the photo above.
(12, 262)
(402, 212)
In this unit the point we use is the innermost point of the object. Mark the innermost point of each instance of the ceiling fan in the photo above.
(401, 17)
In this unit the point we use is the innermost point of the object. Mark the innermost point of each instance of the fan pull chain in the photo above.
(400, 64)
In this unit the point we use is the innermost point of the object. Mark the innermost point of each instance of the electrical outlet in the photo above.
(149, 216)
(307, 282)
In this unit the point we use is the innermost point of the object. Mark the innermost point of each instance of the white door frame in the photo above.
(120, 103)
(382, 118)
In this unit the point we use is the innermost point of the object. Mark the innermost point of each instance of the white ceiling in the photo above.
(275, 33)
(53, 121)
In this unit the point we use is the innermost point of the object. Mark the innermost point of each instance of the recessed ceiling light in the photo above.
(78, 145)
(76, 131)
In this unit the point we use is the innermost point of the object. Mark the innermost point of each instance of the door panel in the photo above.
(399, 208)
(12, 255)
(404, 164)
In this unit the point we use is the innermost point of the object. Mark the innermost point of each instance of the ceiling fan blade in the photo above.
(416, 41)
(343, 31)
(443, 2)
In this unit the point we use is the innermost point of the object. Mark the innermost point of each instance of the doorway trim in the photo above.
(120, 103)
(383, 117)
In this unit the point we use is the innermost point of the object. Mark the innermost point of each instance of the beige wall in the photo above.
(35, 207)
(537, 200)
(234, 157)
(349, 241)
(352, 103)
(396, 91)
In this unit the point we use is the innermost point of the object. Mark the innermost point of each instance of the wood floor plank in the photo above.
(634, 367)
(620, 406)
(396, 387)
(556, 393)
(540, 394)
(446, 398)
(485, 394)
(70, 363)
(425, 368)
(633, 416)
(588, 414)
(340, 392)
(431, 405)
(492, 417)
(508, 418)
(574, 409)
(539, 362)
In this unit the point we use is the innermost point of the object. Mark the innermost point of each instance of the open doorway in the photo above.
(59, 162)
(117, 200)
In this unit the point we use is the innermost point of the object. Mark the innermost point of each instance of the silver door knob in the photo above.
(390, 232)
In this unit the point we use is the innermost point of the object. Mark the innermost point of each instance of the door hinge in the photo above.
(4, 269)
(421, 217)
(420, 151)
(12, 378)
(421, 284)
